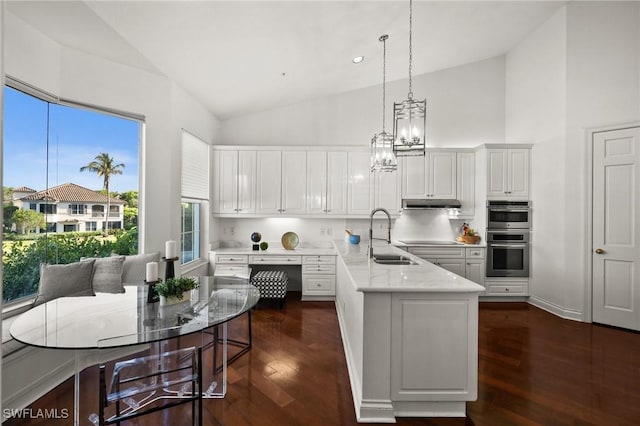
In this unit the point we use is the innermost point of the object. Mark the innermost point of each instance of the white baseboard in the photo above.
(556, 309)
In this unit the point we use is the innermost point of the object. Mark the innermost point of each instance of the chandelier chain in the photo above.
(410, 45)
(384, 76)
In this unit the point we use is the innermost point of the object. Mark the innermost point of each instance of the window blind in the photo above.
(195, 167)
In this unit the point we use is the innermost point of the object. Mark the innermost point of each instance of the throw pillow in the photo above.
(134, 270)
(71, 280)
(107, 274)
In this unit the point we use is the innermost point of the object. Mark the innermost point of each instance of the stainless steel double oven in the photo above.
(508, 226)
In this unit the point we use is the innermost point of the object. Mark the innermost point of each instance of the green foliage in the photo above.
(129, 197)
(7, 215)
(175, 287)
(7, 193)
(28, 220)
(21, 263)
(104, 166)
(130, 217)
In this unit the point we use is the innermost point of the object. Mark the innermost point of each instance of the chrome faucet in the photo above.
(374, 211)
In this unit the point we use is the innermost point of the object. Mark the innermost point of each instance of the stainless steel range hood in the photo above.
(429, 203)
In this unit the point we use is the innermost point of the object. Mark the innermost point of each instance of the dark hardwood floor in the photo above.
(534, 369)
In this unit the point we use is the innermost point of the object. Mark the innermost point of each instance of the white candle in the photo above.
(152, 271)
(170, 249)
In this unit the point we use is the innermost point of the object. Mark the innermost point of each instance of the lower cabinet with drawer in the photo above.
(318, 277)
(467, 262)
(506, 287)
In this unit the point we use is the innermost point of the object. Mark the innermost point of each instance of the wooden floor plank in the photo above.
(534, 369)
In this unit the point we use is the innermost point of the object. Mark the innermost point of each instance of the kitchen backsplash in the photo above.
(412, 224)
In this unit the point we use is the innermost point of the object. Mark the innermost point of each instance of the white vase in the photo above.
(186, 296)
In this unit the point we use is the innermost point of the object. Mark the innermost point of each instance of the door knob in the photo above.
(599, 251)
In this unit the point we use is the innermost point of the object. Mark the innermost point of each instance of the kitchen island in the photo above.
(410, 334)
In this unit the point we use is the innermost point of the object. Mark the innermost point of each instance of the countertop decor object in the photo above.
(256, 237)
(354, 239)
(264, 245)
(290, 240)
(174, 290)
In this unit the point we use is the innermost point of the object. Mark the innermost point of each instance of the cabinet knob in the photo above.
(239, 210)
(506, 289)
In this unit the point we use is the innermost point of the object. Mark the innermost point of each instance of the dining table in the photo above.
(92, 324)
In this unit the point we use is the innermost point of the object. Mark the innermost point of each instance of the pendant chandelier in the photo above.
(409, 116)
(382, 157)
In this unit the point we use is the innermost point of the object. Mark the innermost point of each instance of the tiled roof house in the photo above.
(70, 207)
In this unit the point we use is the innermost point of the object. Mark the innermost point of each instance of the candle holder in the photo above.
(169, 270)
(152, 294)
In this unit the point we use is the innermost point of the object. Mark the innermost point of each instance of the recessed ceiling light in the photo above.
(358, 59)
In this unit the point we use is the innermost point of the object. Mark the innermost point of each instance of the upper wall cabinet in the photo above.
(358, 184)
(234, 182)
(327, 182)
(431, 176)
(281, 182)
(508, 173)
(466, 183)
(387, 191)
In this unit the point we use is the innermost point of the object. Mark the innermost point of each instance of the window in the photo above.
(48, 208)
(195, 196)
(190, 232)
(114, 211)
(46, 141)
(77, 208)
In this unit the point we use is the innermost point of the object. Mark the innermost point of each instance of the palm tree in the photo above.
(104, 165)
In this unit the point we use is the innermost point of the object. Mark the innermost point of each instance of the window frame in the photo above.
(16, 306)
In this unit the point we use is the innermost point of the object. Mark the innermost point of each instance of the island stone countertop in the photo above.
(369, 276)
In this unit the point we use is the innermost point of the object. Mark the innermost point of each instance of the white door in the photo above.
(246, 182)
(316, 182)
(616, 228)
(268, 182)
(294, 182)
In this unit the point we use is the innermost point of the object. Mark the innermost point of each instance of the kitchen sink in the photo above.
(393, 259)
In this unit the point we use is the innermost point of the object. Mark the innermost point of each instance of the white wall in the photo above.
(536, 112)
(465, 107)
(594, 82)
(83, 77)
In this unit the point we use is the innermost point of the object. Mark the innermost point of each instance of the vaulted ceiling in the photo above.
(238, 57)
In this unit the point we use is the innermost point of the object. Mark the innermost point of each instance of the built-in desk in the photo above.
(316, 267)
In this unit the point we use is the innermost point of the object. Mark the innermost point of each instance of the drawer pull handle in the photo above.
(506, 289)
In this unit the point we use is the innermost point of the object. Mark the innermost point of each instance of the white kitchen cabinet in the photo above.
(268, 182)
(387, 192)
(431, 176)
(457, 266)
(358, 183)
(508, 287)
(318, 277)
(294, 182)
(475, 264)
(508, 173)
(234, 182)
(326, 182)
(281, 182)
(466, 183)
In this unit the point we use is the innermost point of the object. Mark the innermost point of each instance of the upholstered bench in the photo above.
(272, 285)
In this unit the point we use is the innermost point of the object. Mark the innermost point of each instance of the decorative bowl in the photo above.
(354, 239)
(289, 240)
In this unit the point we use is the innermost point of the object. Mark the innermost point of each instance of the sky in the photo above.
(76, 137)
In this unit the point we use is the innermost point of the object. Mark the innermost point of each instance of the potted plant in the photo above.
(175, 290)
